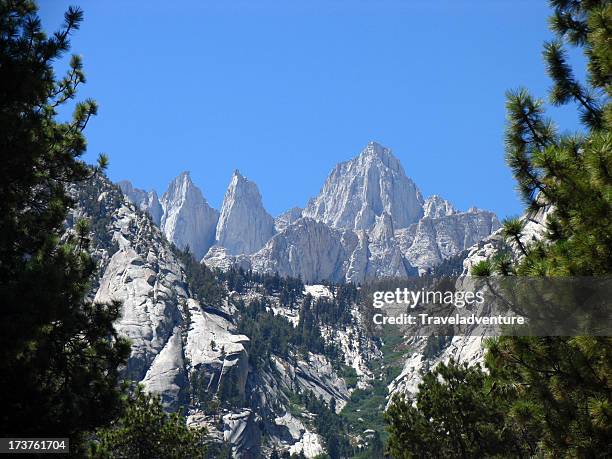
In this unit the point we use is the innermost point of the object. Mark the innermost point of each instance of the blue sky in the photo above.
(283, 90)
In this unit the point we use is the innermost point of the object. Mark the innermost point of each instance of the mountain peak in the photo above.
(244, 225)
(361, 189)
(437, 207)
(188, 220)
(185, 175)
(241, 186)
(373, 148)
(376, 154)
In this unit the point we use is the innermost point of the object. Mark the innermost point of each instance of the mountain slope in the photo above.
(202, 348)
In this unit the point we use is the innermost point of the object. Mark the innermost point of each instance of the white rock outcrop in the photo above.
(188, 220)
(359, 190)
(436, 207)
(147, 201)
(244, 225)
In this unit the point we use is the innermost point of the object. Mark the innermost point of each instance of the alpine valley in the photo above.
(258, 328)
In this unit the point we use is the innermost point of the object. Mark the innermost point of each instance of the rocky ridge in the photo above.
(180, 343)
(338, 235)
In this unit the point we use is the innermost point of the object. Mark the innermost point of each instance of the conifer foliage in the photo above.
(59, 352)
(554, 394)
(146, 431)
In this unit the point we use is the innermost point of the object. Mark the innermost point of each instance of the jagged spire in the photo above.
(244, 225)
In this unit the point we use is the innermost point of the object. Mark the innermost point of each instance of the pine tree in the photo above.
(562, 386)
(555, 392)
(59, 352)
(454, 416)
(146, 431)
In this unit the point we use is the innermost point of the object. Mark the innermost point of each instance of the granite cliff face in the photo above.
(188, 220)
(147, 201)
(244, 225)
(191, 352)
(362, 189)
(306, 248)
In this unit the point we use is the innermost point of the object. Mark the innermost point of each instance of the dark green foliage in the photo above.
(59, 353)
(455, 416)
(502, 263)
(272, 334)
(218, 451)
(558, 389)
(349, 375)
(201, 397)
(330, 426)
(146, 431)
(203, 282)
(288, 289)
(268, 333)
(308, 336)
(435, 344)
(371, 404)
(374, 450)
(482, 269)
(333, 311)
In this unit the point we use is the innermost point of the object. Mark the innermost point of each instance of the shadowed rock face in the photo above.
(359, 190)
(188, 220)
(244, 225)
(307, 248)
